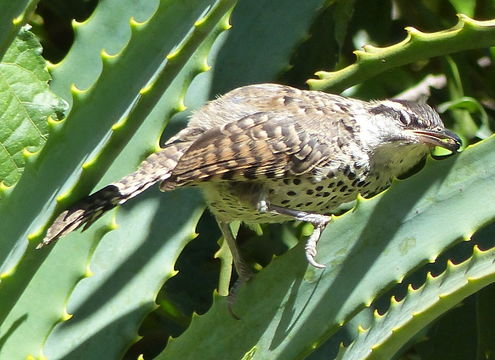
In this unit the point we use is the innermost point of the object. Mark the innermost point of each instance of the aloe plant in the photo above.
(136, 64)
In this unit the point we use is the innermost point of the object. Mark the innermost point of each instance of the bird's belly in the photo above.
(240, 200)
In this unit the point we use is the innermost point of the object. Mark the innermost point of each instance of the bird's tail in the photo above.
(157, 167)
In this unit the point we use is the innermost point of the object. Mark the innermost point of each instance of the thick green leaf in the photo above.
(260, 43)
(464, 6)
(390, 331)
(371, 61)
(83, 64)
(107, 307)
(33, 277)
(13, 15)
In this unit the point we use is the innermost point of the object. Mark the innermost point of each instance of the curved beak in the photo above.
(444, 138)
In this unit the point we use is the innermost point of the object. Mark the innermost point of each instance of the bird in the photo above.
(269, 153)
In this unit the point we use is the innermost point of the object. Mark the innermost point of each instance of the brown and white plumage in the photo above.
(271, 153)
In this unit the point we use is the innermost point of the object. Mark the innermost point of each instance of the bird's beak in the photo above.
(444, 138)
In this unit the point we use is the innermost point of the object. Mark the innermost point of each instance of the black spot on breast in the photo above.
(296, 181)
(286, 181)
(343, 188)
(309, 203)
(310, 192)
(319, 188)
(342, 107)
(288, 100)
(331, 185)
(285, 202)
(348, 127)
(299, 205)
(291, 193)
(326, 194)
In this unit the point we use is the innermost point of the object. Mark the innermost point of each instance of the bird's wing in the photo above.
(264, 144)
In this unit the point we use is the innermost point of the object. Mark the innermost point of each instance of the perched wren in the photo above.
(270, 153)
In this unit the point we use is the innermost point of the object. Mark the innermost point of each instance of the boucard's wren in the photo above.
(270, 153)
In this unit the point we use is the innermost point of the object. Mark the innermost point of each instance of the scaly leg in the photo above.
(241, 267)
(319, 222)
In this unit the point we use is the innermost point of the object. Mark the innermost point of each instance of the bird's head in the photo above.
(399, 133)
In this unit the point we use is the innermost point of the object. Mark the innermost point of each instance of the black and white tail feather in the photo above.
(156, 168)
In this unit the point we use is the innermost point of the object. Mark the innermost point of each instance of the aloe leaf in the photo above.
(390, 331)
(271, 30)
(82, 66)
(108, 307)
(467, 7)
(473, 107)
(371, 61)
(289, 308)
(32, 277)
(13, 15)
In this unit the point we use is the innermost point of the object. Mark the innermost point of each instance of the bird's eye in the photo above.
(404, 117)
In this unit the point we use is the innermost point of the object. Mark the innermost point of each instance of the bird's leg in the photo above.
(241, 267)
(319, 222)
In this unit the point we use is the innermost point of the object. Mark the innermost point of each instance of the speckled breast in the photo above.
(240, 200)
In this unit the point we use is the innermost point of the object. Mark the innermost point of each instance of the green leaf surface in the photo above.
(390, 331)
(290, 308)
(371, 61)
(91, 119)
(13, 15)
(25, 106)
(83, 64)
(474, 107)
(108, 307)
(33, 274)
(260, 43)
(467, 7)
